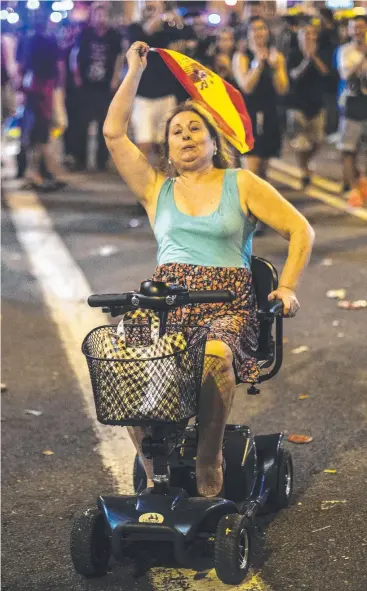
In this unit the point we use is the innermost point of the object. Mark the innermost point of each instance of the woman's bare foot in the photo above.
(209, 477)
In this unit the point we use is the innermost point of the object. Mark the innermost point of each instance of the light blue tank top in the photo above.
(221, 239)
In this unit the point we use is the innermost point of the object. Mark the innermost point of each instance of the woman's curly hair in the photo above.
(222, 159)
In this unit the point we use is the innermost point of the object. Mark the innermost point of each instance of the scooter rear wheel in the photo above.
(232, 550)
(281, 496)
(89, 544)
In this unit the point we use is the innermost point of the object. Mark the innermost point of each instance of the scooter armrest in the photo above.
(270, 309)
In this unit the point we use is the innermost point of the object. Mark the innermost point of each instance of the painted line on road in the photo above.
(65, 291)
(190, 580)
(282, 176)
(337, 202)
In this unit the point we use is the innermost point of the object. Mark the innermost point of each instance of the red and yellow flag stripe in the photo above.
(220, 99)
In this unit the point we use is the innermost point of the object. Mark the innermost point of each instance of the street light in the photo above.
(13, 17)
(56, 17)
(33, 4)
(214, 19)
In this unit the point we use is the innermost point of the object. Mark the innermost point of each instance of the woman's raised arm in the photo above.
(142, 178)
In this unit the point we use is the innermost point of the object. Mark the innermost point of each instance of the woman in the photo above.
(203, 220)
(261, 74)
(223, 54)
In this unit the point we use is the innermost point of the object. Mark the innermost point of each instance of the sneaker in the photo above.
(363, 189)
(305, 181)
(355, 198)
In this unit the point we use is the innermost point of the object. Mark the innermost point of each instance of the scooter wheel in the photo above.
(281, 496)
(232, 549)
(90, 544)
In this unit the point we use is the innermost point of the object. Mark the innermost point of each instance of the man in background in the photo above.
(97, 76)
(352, 66)
(307, 72)
(158, 89)
(328, 42)
(41, 74)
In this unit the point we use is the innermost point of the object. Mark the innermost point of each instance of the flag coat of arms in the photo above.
(220, 99)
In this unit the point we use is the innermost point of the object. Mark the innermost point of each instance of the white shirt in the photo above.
(348, 58)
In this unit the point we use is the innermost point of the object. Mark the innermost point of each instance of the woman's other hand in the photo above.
(274, 60)
(289, 299)
(137, 56)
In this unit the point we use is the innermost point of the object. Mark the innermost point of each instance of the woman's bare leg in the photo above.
(216, 400)
(215, 404)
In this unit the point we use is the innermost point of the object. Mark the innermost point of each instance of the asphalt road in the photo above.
(314, 545)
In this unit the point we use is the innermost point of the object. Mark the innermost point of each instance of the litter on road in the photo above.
(356, 305)
(301, 349)
(336, 294)
(295, 438)
(325, 505)
(35, 413)
(321, 528)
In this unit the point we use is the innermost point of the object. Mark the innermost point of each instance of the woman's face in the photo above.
(225, 42)
(258, 33)
(190, 144)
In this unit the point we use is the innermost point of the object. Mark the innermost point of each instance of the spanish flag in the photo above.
(220, 99)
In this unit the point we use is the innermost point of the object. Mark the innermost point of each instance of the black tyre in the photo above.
(90, 544)
(232, 548)
(281, 497)
(139, 475)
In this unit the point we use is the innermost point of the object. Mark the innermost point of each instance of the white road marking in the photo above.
(65, 291)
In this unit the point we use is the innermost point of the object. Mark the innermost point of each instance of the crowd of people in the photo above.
(302, 80)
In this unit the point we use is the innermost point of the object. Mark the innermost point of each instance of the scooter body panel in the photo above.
(173, 517)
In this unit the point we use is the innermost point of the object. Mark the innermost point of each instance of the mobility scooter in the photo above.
(258, 470)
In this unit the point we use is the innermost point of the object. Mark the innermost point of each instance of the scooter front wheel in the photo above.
(90, 544)
(232, 550)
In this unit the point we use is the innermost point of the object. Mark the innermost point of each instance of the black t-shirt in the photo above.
(306, 93)
(97, 57)
(264, 97)
(356, 99)
(157, 80)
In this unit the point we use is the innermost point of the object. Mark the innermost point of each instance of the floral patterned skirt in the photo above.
(234, 323)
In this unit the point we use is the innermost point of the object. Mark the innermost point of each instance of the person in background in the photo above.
(288, 37)
(307, 72)
(97, 76)
(41, 72)
(352, 66)
(251, 9)
(223, 55)
(69, 50)
(328, 41)
(158, 87)
(343, 32)
(262, 77)
(205, 42)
